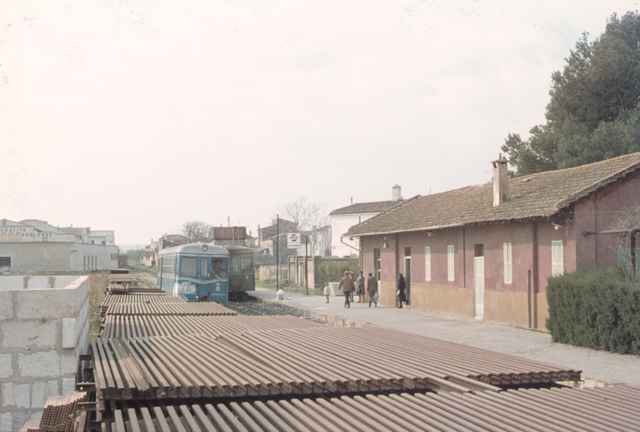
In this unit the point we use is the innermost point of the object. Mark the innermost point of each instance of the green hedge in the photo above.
(332, 269)
(597, 309)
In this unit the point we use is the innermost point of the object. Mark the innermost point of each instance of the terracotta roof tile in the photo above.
(536, 195)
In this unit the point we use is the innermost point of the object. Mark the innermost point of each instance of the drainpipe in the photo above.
(348, 245)
(397, 246)
(533, 307)
(632, 244)
(464, 257)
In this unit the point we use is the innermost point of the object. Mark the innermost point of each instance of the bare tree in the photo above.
(196, 231)
(305, 213)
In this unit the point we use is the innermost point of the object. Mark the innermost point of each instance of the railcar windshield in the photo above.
(217, 268)
(188, 266)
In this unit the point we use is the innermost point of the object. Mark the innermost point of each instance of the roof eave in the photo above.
(597, 186)
(457, 225)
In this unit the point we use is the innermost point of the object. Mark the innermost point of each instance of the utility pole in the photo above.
(277, 252)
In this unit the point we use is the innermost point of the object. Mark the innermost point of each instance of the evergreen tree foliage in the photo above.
(593, 112)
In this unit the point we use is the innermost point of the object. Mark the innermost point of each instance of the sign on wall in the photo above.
(293, 240)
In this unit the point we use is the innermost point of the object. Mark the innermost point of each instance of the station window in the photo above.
(451, 263)
(507, 259)
(427, 263)
(557, 258)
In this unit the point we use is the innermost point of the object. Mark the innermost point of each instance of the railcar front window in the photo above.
(218, 269)
(188, 267)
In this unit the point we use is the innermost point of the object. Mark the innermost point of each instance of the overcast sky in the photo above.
(139, 115)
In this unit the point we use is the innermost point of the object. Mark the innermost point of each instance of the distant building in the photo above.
(35, 246)
(344, 218)
(267, 237)
(150, 256)
(231, 236)
(315, 242)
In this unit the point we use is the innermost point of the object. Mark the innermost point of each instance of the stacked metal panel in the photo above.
(190, 367)
(180, 308)
(612, 408)
(146, 298)
(135, 326)
(296, 362)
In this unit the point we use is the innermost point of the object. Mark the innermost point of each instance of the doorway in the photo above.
(478, 277)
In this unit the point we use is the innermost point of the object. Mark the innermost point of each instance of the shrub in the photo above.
(598, 309)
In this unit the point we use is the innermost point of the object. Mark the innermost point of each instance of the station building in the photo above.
(487, 251)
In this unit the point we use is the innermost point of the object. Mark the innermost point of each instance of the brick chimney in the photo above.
(500, 181)
(396, 193)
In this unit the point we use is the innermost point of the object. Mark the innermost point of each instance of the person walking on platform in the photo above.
(347, 286)
(401, 289)
(360, 287)
(372, 290)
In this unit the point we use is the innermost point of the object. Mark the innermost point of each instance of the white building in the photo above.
(34, 246)
(345, 217)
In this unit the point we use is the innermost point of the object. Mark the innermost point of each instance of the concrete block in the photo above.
(15, 395)
(52, 303)
(33, 423)
(38, 394)
(6, 370)
(29, 334)
(69, 362)
(6, 422)
(40, 364)
(68, 385)
(6, 305)
(69, 332)
(21, 393)
(6, 390)
(53, 388)
(19, 420)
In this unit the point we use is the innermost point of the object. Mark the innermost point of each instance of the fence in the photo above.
(302, 272)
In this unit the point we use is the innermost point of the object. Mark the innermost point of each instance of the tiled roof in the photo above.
(365, 207)
(536, 195)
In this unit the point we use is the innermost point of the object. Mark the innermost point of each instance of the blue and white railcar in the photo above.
(195, 271)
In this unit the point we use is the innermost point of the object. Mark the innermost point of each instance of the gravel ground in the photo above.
(248, 305)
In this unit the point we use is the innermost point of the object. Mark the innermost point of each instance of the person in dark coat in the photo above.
(347, 286)
(360, 287)
(372, 289)
(401, 290)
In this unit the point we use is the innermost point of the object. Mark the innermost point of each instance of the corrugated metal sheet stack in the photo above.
(136, 326)
(157, 309)
(174, 366)
(60, 414)
(612, 408)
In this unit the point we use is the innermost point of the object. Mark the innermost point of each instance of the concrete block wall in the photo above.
(42, 333)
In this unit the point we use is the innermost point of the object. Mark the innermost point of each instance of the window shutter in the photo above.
(508, 262)
(427, 263)
(557, 258)
(451, 267)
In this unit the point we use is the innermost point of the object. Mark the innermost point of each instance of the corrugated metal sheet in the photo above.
(182, 308)
(297, 362)
(134, 326)
(144, 298)
(208, 367)
(612, 408)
